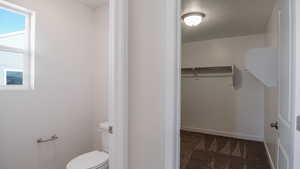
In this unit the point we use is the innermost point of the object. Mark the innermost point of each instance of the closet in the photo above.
(226, 69)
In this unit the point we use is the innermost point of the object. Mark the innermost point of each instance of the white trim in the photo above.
(269, 155)
(118, 83)
(31, 48)
(224, 133)
(172, 79)
(295, 162)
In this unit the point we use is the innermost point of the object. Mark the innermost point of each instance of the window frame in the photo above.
(29, 50)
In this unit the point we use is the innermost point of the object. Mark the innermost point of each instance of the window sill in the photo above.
(16, 88)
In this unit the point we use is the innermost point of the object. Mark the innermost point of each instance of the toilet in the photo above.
(91, 160)
(94, 159)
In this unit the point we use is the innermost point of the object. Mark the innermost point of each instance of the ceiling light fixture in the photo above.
(193, 18)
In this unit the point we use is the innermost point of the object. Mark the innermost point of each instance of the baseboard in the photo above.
(223, 133)
(269, 156)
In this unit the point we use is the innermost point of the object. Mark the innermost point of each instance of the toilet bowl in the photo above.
(91, 160)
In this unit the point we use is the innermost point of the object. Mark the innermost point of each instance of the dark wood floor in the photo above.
(202, 151)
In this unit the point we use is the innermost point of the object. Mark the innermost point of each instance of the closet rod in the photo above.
(206, 76)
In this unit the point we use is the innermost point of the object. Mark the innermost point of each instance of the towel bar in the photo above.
(53, 138)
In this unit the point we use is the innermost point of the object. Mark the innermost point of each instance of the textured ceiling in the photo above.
(92, 3)
(227, 18)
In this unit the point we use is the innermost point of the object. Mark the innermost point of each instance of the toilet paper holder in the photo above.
(106, 126)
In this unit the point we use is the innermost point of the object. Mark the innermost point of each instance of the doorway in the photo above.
(276, 154)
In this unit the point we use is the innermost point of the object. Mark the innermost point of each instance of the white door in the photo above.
(285, 151)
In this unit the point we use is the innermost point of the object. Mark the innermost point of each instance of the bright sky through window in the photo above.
(11, 22)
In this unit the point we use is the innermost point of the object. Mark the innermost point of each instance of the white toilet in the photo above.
(95, 159)
(91, 160)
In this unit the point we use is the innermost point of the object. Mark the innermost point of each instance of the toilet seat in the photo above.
(91, 160)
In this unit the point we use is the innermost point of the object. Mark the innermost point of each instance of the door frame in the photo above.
(295, 82)
(118, 83)
(172, 88)
(173, 84)
(117, 104)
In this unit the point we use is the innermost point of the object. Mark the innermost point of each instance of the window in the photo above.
(16, 47)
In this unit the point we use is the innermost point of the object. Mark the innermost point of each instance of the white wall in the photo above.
(211, 104)
(62, 100)
(271, 94)
(100, 74)
(146, 82)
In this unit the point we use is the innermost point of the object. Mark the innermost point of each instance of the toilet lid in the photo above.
(90, 160)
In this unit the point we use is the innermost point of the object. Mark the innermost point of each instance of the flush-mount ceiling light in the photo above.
(193, 18)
